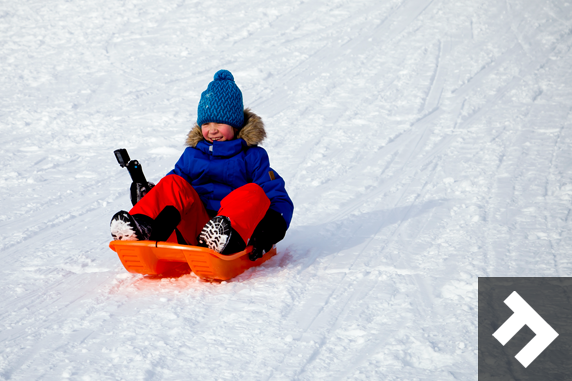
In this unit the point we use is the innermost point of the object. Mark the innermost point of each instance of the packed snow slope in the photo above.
(424, 143)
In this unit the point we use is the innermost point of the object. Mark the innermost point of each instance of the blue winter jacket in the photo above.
(216, 169)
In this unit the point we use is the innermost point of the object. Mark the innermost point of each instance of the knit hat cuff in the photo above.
(218, 120)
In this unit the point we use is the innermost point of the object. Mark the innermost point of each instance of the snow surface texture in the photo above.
(424, 143)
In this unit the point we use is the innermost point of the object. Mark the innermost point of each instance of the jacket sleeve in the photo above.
(260, 172)
(184, 165)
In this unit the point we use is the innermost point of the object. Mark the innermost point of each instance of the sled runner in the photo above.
(154, 258)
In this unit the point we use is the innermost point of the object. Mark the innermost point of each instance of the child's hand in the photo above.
(259, 249)
(270, 230)
(139, 190)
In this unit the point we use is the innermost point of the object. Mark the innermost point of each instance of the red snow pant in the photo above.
(244, 206)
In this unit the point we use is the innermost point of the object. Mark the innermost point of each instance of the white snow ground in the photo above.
(424, 143)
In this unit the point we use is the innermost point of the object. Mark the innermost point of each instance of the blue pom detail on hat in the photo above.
(223, 75)
(221, 102)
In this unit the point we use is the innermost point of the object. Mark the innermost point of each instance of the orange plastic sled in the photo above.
(154, 258)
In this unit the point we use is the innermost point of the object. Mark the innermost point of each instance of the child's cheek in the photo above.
(228, 135)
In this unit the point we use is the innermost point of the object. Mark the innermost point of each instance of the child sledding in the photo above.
(222, 193)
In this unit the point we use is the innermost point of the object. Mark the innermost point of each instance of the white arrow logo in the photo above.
(523, 315)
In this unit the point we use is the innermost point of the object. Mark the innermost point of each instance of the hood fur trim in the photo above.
(253, 131)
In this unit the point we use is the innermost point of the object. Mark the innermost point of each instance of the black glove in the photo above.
(139, 190)
(270, 230)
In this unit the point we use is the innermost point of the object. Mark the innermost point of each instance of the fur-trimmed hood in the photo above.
(253, 131)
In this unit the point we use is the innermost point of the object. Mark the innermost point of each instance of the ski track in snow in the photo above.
(424, 143)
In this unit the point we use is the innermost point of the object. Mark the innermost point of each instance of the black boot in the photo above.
(218, 235)
(165, 223)
(126, 227)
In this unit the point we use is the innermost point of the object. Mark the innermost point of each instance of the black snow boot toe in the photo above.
(125, 227)
(218, 235)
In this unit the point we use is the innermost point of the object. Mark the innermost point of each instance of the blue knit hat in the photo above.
(221, 102)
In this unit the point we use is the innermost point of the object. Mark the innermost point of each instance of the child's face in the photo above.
(217, 131)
